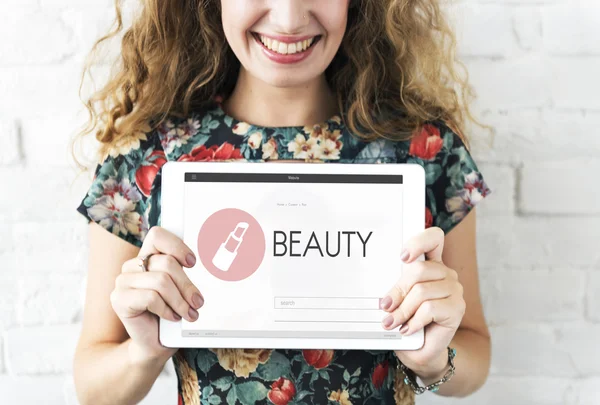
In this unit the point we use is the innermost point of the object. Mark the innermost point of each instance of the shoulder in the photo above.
(120, 198)
(184, 137)
(454, 183)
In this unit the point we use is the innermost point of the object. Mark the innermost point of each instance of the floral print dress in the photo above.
(124, 198)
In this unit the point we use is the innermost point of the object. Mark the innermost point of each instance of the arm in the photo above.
(107, 368)
(472, 339)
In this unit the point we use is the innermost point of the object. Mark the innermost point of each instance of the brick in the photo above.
(470, 20)
(49, 299)
(45, 390)
(527, 26)
(588, 391)
(41, 350)
(44, 198)
(580, 340)
(501, 390)
(511, 296)
(51, 246)
(574, 88)
(593, 297)
(509, 84)
(501, 179)
(10, 152)
(8, 297)
(89, 24)
(26, 90)
(552, 187)
(532, 349)
(572, 28)
(47, 39)
(531, 135)
(531, 242)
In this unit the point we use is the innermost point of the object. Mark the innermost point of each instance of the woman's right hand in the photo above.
(165, 291)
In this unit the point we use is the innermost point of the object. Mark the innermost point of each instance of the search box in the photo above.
(351, 303)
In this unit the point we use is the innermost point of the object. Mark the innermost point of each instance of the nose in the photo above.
(289, 16)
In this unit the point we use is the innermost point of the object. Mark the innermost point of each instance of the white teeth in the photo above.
(284, 48)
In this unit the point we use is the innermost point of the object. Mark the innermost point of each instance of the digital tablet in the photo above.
(292, 255)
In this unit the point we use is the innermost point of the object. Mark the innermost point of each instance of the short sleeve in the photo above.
(454, 183)
(124, 197)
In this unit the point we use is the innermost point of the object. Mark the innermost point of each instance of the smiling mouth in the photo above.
(284, 48)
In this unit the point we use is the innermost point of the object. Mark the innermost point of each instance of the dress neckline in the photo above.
(335, 121)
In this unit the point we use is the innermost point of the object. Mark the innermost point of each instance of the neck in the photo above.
(258, 103)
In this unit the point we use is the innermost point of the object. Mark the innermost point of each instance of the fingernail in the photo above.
(190, 259)
(405, 255)
(193, 314)
(197, 300)
(177, 317)
(386, 302)
(388, 321)
(404, 329)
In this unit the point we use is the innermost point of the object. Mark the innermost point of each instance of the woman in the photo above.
(363, 81)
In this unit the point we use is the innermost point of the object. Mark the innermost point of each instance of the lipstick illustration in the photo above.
(228, 250)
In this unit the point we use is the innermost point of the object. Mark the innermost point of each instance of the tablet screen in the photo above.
(292, 255)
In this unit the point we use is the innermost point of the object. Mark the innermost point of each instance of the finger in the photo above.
(440, 311)
(420, 293)
(162, 283)
(159, 240)
(412, 273)
(129, 303)
(429, 242)
(168, 264)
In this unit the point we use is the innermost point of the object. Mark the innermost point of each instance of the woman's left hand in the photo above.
(427, 295)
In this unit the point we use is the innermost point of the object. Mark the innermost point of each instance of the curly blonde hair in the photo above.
(390, 75)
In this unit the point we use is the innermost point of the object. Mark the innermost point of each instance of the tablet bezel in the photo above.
(172, 185)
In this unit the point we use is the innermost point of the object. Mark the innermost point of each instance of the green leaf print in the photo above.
(223, 383)
(214, 400)
(346, 376)
(300, 395)
(250, 392)
(432, 202)
(277, 366)
(107, 169)
(205, 360)
(231, 396)
(324, 374)
(432, 173)
(448, 140)
(123, 172)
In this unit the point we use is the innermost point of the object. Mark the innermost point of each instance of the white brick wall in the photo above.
(534, 64)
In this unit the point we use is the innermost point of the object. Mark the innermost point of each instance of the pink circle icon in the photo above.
(231, 244)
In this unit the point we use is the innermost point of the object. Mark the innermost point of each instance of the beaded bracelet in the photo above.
(410, 377)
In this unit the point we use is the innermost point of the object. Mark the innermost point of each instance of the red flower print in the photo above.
(215, 152)
(379, 374)
(282, 391)
(428, 218)
(179, 399)
(146, 173)
(227, 151)
(318, 358)
(427, 143)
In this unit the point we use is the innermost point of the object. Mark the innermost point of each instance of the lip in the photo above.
(286, 59)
